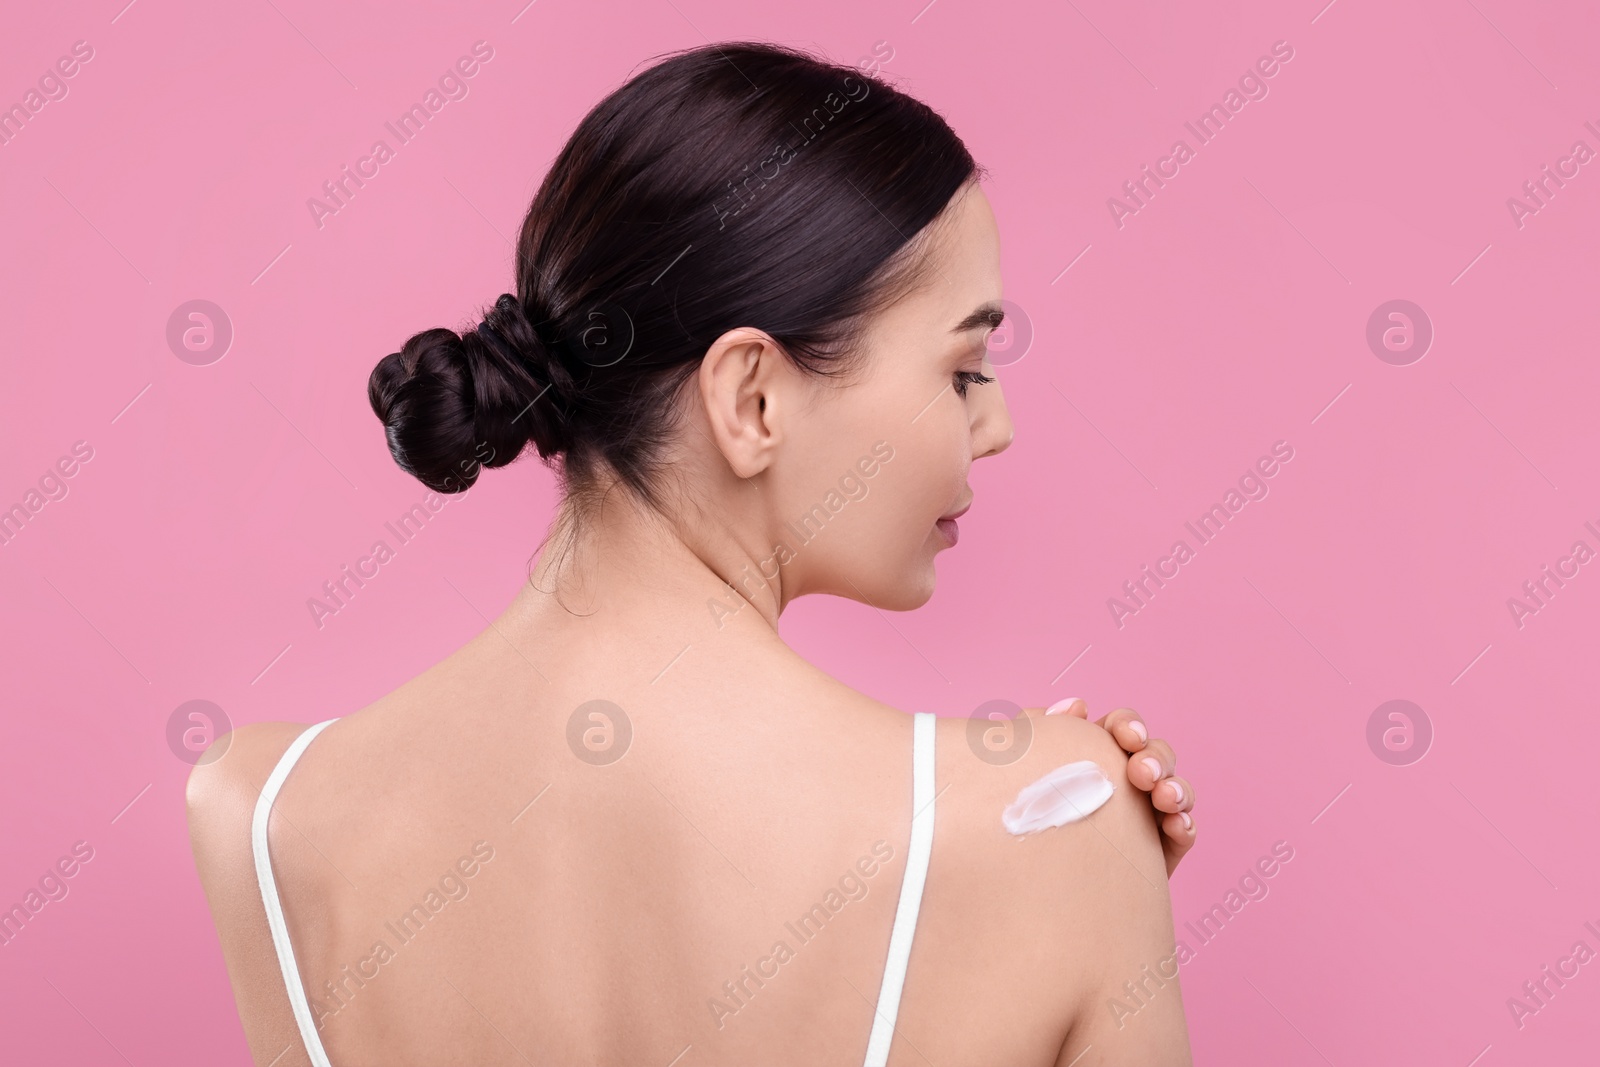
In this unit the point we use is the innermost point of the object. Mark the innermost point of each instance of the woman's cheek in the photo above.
(956, 449)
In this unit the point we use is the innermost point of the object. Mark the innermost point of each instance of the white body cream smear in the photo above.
(1066, 794)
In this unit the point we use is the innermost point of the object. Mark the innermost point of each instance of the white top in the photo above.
(900, 937)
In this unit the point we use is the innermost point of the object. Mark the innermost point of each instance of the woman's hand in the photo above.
(1150, 766)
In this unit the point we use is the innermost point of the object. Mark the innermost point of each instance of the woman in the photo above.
(626, 824)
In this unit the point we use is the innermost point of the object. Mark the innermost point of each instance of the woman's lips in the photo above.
(947, 523)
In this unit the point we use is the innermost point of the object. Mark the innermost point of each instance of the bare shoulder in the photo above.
(986, 765)
(222, 791)
(221, 797)
(235, 767)
(1026, 822)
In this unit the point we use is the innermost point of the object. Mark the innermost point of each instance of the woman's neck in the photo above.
(611, 559)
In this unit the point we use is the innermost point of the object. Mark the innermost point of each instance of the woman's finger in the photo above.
(1129, 730)
(1151, 764)
(1173, 794)
(1177, 838)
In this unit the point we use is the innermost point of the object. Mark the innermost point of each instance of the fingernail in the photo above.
(1138, 727)
(1177, 792)
(1060, 706)
(1188, 823)
(1155, 767)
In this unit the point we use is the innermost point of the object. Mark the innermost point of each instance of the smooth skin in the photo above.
(645, 910)
(1153, 765)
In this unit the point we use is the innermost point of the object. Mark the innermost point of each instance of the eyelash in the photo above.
(965, 378)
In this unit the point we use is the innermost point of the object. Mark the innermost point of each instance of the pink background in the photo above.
(1227, 314)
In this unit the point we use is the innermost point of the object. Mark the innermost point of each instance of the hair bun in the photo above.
(454, 403)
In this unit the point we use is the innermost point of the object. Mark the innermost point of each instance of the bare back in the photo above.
(468, 878)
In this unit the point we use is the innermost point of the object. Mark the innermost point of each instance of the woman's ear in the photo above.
(745, 383)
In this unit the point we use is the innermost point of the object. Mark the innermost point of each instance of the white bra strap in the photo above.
(269, 896)
(905, 916)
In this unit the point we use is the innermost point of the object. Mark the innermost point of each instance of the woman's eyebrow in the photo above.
(989, 315)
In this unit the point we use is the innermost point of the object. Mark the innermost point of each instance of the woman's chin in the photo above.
(906, 590)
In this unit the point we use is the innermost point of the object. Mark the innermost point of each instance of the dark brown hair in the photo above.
(736, 184)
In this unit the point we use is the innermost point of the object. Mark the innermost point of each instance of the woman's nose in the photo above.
(992, 431)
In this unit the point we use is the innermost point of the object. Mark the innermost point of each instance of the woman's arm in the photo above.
(1062, 903)
(1131, 1014)
(1129, 1007)
(221, 797)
